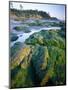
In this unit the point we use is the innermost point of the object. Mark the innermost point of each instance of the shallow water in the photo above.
(23, 36)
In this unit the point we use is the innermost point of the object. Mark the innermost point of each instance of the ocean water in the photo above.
(23, 36)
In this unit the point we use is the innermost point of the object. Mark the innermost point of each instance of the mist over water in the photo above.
(23, 36)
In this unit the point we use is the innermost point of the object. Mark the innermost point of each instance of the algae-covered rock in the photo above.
(25, 29)
(47, 38)
(20, 76)
(15, 48)
(13, 37)
(41, 62)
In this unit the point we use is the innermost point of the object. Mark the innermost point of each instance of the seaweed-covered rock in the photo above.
(15, 48)
(13, 37)
(20, 69)
(48, 38)
(25, 29)
(41, 62)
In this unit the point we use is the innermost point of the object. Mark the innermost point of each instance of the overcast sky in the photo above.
(54, 10)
